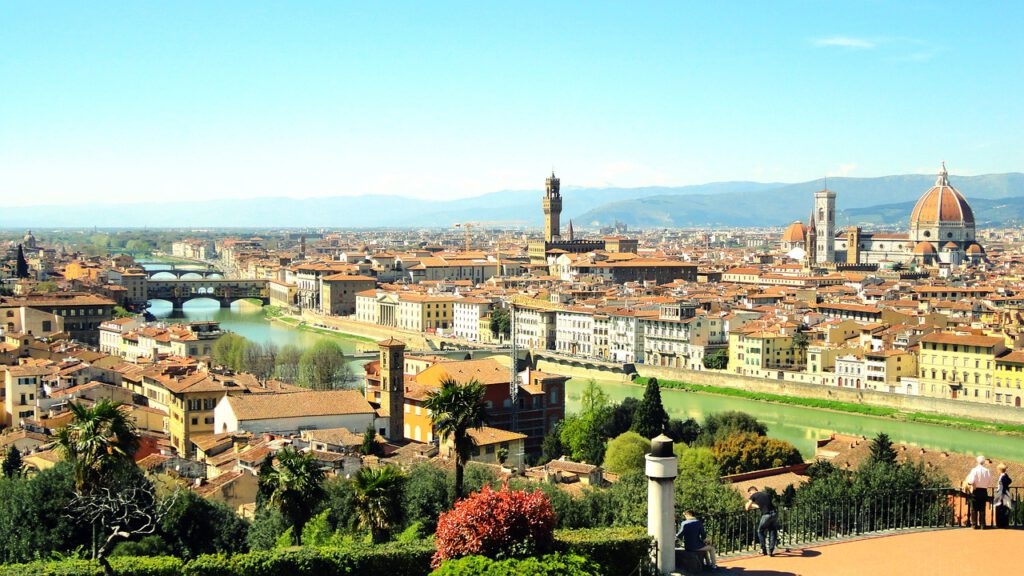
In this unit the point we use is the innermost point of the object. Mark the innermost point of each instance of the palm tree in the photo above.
(456, 409)
(295, 487)
(379, 500)
(98, 439)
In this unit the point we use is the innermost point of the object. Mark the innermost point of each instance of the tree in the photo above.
(650, 418)
(425, 494)
(379, 500)
(621, 419)
(32, 516)
(500, 324)
(13, 466)
(194, 525)
(370, 446)
(499, 524)
(626, 453)
(121, 514)
(582, 434)
(294, 488)
(21, 269)
(287, 369)
(98, 440)
(749, 452)
(260, 360)
(229, 351)
(323, 367)
(551, 447)
(717, 360)
(699, 487)
(719, 425)
(683, 430)
(120, 312)
(882, 450)
(454, 410)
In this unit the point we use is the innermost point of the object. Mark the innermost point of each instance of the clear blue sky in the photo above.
(142, 100)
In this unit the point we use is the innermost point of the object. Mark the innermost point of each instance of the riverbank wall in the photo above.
(580, 368)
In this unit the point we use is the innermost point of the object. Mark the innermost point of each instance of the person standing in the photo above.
(695, 538)
(978, 481)
(1002, 502)
(768, 527)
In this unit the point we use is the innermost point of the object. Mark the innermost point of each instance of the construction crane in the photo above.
(468, 226)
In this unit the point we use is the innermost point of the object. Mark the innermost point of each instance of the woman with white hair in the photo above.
(978, 481)
(1002, 501)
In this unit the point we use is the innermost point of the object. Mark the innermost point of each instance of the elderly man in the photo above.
(978, 481)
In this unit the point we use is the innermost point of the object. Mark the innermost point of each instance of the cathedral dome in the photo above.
(975, 249)
(942, 204)
(795, 232)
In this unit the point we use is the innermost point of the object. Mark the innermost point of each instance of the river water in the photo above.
(800, 426)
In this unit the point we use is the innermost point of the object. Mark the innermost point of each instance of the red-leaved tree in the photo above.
(498, 524)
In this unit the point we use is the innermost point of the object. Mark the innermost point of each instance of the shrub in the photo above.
(748, 452)
(550, 565)
(618, 551)
(122, 566)
(497, 524)
(626, 453)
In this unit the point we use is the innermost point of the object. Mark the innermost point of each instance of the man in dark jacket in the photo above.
(768, 527)
(695, 538)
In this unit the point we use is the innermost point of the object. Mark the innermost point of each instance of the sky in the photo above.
(190, 100)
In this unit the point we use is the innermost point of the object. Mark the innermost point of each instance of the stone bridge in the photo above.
(179, 270)
(177, 292)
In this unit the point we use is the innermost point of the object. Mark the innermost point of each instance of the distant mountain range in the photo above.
(885, 201)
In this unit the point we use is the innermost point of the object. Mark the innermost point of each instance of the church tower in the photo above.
(552, 204)
(825, 223)
(811, 244)
(392, 386)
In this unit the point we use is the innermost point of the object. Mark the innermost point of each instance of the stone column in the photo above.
(661, 469)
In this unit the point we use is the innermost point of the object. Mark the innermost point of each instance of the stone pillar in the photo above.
(661, 469)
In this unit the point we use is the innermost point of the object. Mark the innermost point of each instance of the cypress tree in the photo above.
(882, 451)
(650, 418)
(13, 466)
(22, 267)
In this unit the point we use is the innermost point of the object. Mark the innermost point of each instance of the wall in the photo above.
(964, 409)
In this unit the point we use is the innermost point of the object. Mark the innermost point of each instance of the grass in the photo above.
(277, 315)
(851, 407)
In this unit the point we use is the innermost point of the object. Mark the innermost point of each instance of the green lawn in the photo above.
(952, 421)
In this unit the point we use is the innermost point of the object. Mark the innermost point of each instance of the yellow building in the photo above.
(755, 351)
(424, 313)
(1009, 373)
(958, 366)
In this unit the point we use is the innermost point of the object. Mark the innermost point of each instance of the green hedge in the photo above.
(549, 565)
(616, 550)
(122, 565)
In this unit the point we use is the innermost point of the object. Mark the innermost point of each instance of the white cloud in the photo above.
(846, 42)
(843, 170)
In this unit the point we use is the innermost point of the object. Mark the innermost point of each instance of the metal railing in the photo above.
(802, 525)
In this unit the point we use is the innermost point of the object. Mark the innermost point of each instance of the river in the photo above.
(800, 426)
(803, 426)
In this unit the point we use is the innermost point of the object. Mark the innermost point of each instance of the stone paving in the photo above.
(959, 552)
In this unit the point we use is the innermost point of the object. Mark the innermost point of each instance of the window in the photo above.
(195, 421)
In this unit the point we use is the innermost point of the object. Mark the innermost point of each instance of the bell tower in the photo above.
(392, 385)
(825, 224)
(552, 204)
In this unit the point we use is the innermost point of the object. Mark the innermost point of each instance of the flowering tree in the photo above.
(498, 524)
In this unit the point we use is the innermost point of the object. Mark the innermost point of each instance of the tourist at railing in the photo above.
(1002, 500)
(978, 482)
(768, 527)
(695, 538)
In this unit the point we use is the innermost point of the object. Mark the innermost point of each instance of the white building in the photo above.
(574, 331)
(467, 314)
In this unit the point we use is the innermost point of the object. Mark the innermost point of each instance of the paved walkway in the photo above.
(960, 552)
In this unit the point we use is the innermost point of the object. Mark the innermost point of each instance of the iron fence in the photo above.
(806, 524)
